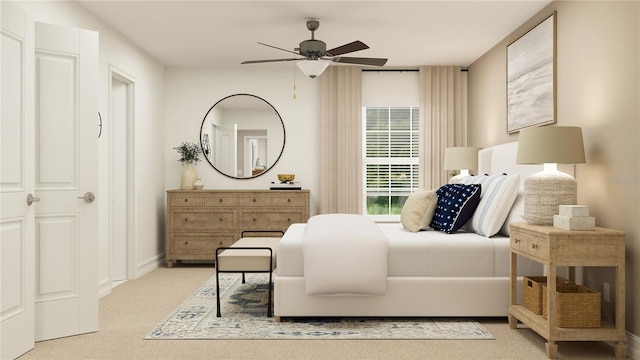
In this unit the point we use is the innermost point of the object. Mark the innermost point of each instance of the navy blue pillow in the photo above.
(456, 205)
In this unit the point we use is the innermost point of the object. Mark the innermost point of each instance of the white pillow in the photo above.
(497, 197)
(418, 210)
(515, 215)
(474, 179)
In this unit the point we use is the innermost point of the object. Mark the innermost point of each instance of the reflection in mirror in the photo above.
(242, 136)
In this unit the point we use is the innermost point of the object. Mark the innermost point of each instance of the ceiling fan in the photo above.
(312, 51)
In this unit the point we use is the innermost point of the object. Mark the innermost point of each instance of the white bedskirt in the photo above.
(405, 296)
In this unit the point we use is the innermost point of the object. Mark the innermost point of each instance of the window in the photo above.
(391, 157)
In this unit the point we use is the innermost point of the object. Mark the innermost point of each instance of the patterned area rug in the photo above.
(244, 316)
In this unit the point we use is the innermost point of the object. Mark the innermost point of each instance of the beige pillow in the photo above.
(418, 210)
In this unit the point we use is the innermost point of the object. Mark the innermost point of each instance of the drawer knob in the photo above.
(186, 243)
(254, 200)
(289, 219)
(220, 200)
(517, 241)
(254, 219)
(186, 200)
(288, 200)
(186, 219)
(220, 219)
(534, 246)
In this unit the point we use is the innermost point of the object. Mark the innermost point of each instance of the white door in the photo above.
(226, 151)
(16, 181)
(66, 131)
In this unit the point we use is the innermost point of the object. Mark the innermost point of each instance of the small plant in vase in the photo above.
(189, 155)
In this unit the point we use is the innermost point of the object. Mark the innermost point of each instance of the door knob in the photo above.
(88, 197)
(31, 199)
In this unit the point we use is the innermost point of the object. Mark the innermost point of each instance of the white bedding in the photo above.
(344, 254)
(425, 253)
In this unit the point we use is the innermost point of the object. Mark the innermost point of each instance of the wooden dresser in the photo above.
(199, 221)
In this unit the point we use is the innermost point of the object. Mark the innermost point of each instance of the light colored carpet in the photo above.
(135, 307)
(244, 309)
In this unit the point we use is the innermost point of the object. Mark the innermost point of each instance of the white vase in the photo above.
(189, 176)
(198, 184)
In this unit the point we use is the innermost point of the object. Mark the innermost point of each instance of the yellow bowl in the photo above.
(286, 177)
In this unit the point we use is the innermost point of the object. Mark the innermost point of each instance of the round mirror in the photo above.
(242, 136)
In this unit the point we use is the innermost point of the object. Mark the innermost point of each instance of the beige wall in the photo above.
(598, 89)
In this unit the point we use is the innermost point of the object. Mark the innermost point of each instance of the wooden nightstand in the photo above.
(555, 247)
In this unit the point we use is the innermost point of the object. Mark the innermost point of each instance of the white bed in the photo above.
(430, 273)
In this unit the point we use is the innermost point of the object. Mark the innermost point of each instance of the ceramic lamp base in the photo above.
(544, 192)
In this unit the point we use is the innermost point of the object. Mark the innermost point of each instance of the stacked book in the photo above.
(285, 185)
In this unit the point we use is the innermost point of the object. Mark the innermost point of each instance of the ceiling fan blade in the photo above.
(275, 47)
(347, 48)
(360, 61)
(270, 60)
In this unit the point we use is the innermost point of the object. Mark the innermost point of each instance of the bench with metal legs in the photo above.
(247, 255)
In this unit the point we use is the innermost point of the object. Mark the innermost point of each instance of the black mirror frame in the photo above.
(284, 137)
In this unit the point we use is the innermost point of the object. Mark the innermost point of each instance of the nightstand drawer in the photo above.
(529, 244)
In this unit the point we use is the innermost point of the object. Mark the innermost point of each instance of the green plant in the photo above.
(189, 153)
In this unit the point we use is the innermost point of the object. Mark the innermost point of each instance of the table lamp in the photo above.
(546, 190)
(460, 158)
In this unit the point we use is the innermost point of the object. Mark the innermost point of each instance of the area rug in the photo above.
(244, 316)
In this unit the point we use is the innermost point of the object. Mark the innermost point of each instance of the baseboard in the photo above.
(633, 346)
(104, 288)
(149, 265)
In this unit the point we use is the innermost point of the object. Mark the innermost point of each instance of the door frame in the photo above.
(120, 75)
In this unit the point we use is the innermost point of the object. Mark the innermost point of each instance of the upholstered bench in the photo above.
(247, 255)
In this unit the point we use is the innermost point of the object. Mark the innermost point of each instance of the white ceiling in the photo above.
(225, 33)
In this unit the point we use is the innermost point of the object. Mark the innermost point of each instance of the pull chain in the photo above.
(294, 80)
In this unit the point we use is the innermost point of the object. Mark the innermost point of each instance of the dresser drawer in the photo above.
(220, 200)
(269, 220)
(535, 246)
(183, 200)
(201, 244)
(290, 200)
(190, 219)
(255, 200)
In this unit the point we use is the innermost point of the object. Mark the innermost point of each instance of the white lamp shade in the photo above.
(312, 68)
(551, 144)
(461, 158)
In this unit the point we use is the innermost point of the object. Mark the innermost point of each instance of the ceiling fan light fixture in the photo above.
(312, 68)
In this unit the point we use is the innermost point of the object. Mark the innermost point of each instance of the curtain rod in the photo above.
(401, 70)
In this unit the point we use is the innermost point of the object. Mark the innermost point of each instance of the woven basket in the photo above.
(533, 291)
(577, 306)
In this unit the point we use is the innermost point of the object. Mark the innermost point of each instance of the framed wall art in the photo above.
(531, 77)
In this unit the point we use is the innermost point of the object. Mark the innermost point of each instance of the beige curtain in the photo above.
(341, 140)
(440, 121)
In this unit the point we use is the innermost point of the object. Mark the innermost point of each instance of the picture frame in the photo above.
(531, 77)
